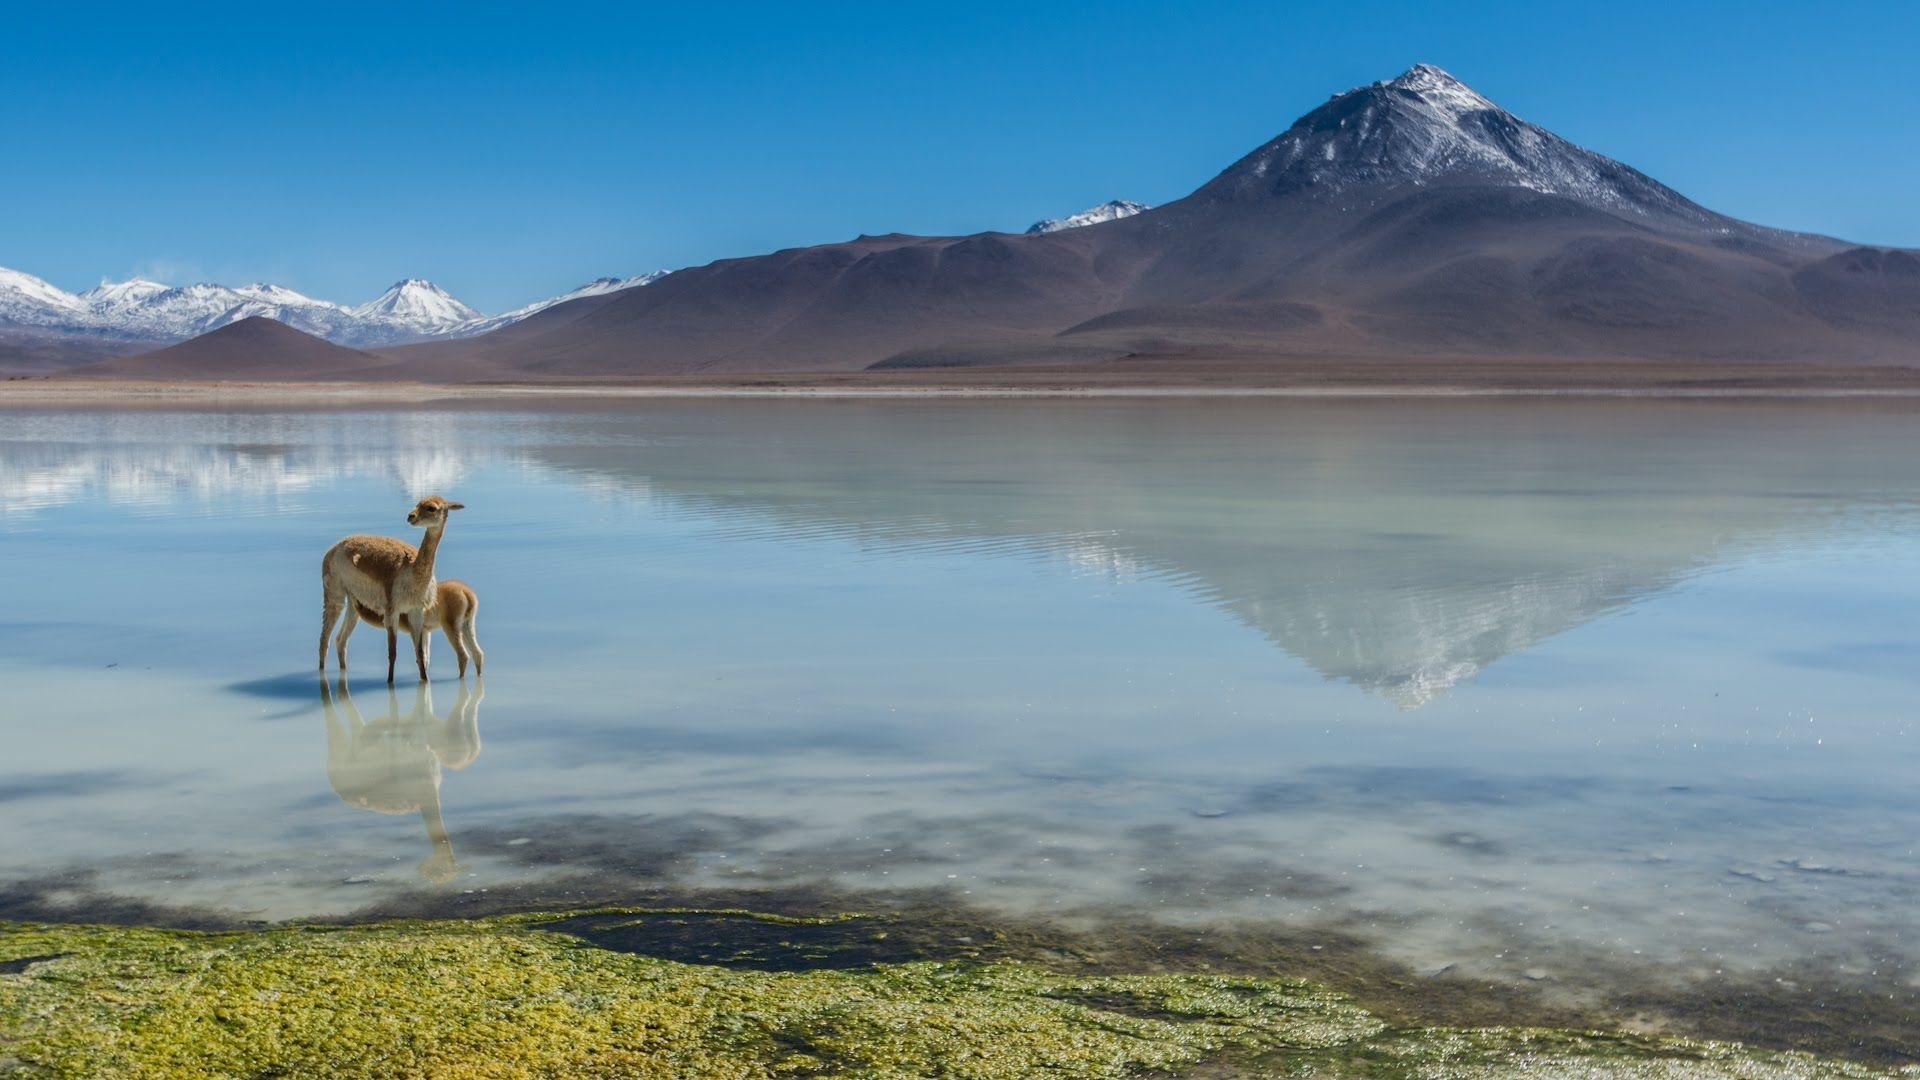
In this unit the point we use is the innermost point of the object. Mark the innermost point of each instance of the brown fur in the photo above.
(381, 574)
(452, 613)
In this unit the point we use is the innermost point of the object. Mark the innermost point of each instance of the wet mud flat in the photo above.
(798, 982)
(1197, 373)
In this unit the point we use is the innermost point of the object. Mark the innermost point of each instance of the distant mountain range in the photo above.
(138, 312)
(1407, 218)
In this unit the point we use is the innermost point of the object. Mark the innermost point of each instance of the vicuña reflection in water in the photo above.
(392, 765)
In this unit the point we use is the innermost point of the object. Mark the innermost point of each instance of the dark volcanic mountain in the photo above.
(1405, 218)
(1408, 218)
(253, 348)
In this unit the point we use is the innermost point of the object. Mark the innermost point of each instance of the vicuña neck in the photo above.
(429, 545)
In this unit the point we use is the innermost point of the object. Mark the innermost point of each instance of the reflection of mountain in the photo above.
(1399, 546)
(151, 459)
(392, 765)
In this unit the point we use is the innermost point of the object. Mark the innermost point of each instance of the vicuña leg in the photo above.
(393, 643)
(347, 624)
(330, 604)
(473, 647)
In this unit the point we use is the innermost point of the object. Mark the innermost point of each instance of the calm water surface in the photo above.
(1532, 689)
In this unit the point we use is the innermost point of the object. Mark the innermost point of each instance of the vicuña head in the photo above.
(432, 511)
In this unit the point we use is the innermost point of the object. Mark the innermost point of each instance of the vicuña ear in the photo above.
(456, 506)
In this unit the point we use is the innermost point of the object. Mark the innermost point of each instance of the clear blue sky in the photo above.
(512, 153)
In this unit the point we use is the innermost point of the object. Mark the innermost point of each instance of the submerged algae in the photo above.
(512, 997)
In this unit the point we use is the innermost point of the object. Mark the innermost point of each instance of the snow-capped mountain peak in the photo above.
(1440, 91)
(419, 305)
(120, 295)
(1426, 127)
(280, 295)
(1093, 215)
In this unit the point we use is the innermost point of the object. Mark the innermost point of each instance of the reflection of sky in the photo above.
(1663, 710)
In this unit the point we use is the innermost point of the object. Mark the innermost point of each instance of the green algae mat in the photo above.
(511, 997)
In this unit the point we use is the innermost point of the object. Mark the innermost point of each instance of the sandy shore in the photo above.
(1342, 377)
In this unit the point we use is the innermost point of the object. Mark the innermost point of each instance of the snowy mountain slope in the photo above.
(161, 312)
(281, 296)
(116, 301)
(414, 306)
(1093, 215)
(27, 301)
(596, 287)
(1426, 127)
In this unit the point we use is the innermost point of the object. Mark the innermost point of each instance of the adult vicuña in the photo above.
(451, 612)
(385, 575)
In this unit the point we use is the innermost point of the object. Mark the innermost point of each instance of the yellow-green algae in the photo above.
(504, 998)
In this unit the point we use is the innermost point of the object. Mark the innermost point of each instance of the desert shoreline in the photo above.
(1285, 379)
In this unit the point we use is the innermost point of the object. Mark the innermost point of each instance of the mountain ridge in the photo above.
(1111, 210)
(1408, 217)
(35, 314)
(1405, 219)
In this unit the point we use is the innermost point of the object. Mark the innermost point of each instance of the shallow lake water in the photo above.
(1544, 691)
